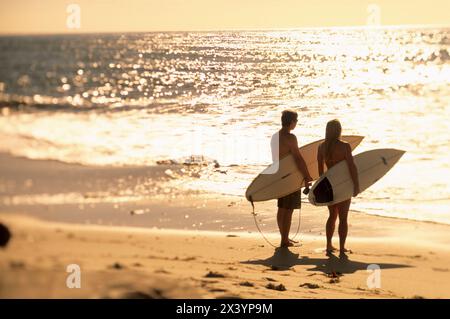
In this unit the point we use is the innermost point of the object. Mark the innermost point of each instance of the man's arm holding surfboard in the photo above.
(293, 148)
(352, 168)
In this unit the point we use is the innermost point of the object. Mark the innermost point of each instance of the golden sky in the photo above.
(49, 16)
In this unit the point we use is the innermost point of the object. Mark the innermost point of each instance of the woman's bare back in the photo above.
(338, 153)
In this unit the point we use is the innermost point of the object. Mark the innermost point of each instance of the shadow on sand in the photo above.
(284, 259)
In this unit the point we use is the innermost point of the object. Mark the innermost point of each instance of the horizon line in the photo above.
(363, 26)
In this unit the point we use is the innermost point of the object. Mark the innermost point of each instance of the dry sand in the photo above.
(121, 262)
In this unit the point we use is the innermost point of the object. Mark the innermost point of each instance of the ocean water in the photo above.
(216, 97)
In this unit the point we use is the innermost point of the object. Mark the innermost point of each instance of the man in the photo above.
(288, 145)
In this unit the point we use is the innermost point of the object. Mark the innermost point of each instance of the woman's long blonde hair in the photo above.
(332, 135)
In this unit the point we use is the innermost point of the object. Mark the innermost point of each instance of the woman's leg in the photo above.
(343, 224)
(331, 222)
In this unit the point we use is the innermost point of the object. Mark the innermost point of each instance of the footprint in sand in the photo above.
(313, 274)
(206, 282)
(213, 274)
(117, 266)
(310, 285)
(189, 258)
(280, 287)
(441, 269)
(16, 264)
(161, 271)
(217, 290)
(246, 284)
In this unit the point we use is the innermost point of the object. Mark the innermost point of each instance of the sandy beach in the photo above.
(122, 262)
(172, 248)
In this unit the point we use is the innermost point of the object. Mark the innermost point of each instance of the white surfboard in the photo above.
(336, 184)
(275, 182)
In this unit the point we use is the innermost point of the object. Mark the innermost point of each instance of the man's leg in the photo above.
(280, 220)
(286, 222)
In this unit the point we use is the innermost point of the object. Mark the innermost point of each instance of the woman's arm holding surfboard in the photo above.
(320, 160)
(352, 168)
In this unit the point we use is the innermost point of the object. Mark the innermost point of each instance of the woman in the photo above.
(331, 152)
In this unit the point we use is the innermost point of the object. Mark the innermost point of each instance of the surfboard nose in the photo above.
(397, 154)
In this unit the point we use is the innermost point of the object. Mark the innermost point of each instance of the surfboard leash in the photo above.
(257, 225)
(305, 191)
(259, 229)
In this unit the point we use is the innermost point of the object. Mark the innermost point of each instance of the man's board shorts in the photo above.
(291, 201)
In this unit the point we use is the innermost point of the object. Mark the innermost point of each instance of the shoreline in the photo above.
(35, 186)
(140, 197)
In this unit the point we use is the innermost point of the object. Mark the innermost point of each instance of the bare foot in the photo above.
(293, 241)
(288, 244)
(345, 250)
(331, 249)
